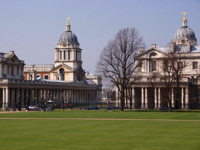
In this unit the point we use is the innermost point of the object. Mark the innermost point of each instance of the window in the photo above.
(180, 65)
(76, 55)
(38, 76)
(60, 55)
(17, 70)
(194, 65)
(62, 73)
(165, 65)
(46, 77)
(152, 66)
(139, 66)
(68, 55)
(64, 55)
(8, 69)
(152, 55)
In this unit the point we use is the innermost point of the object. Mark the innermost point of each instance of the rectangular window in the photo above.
(152, 66)
(76, 55)
(64, 55)
(68, 55)
(180, 65)
(60, 55)
(194, 65)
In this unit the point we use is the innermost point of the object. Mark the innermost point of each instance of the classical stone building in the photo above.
(149, 89)
(62, 82)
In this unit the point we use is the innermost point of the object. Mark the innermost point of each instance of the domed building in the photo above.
(168, 76)
(67, 72)
(67, 64)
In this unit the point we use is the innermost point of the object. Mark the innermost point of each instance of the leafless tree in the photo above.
(116, 62)
(172, 72)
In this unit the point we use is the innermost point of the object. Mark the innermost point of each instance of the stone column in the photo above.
(133, 98)
(142, 98)
(173, 97)
(146, 98)
(186, 98)
(4, 99)
(159, 102)
(155, 98)
(182, 98)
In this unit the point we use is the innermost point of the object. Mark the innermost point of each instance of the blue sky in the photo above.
(32, 27)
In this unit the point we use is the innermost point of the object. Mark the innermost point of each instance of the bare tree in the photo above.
(172, 73)
(116, 62)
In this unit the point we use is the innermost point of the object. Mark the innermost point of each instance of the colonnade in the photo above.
(159, 99)
(23, 97)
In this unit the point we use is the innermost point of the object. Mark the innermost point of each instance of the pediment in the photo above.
(151, 53)
(65, 67)
(14, 59)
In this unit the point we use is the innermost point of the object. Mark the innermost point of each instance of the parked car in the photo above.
(33, 108)
(110, 107)
(92, 108)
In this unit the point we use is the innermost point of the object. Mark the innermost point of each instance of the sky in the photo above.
(32, 27)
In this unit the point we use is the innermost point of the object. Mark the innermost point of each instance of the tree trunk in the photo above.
(122, 99)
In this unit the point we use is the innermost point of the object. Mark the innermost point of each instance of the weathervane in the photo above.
(184, 13)
(68, 20)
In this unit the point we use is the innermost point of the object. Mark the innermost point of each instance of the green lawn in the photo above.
(100, 134)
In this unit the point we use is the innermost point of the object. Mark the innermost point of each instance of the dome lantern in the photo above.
(184, 22)
(185, 35)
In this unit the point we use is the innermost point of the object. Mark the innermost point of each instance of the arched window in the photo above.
(152, 55)
(62, 73)
(46, 76)
(38, 76)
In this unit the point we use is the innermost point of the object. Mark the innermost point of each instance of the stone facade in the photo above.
(151, 93)
(62, 82)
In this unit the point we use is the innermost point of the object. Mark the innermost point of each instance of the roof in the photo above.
(90, 82)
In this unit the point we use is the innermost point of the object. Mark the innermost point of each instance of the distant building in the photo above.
(62, 82)
(144, 95)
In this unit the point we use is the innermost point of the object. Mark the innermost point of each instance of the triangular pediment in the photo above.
(13, 59)
(65, 67)
(147, 54)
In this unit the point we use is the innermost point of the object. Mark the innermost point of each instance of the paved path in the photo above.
(117, 119)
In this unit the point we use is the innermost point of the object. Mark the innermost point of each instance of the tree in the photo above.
(172, 73)
(116, 62)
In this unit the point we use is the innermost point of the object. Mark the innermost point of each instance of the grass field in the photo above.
(176, 130)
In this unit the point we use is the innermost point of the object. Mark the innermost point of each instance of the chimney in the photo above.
(11, 52)
(141, 49)
(153, 45)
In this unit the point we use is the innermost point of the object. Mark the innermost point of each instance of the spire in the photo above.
(184, 22)
(68, 26)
